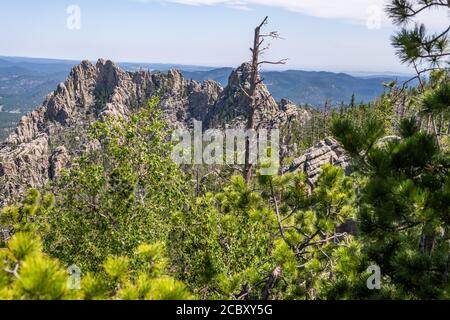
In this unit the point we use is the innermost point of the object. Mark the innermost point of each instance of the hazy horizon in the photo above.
(361, 73)
(340, 36)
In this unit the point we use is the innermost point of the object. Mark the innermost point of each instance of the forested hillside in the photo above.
(309, 87)
(7, 122)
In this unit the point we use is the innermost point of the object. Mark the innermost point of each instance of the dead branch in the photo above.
(282, 61)
(271, 283)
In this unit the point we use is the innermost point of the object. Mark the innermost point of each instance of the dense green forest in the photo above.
(137, 226)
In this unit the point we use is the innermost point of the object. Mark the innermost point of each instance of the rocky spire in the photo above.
(232, 106)
(47, 139)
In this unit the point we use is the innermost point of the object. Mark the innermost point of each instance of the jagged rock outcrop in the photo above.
(290, 113)
(202, 98)
(23, 166)
(46, 139)
(232, 106)
(326, 151)
(58, 161)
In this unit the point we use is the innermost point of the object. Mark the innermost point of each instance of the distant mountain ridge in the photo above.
(310, 87)
(24, 82)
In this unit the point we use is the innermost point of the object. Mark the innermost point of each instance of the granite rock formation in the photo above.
(326, 151)
(46, 139)
(232, 106)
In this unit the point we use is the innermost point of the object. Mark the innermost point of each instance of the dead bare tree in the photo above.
(259, 48)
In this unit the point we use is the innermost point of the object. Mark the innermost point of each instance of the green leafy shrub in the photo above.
(27, 273)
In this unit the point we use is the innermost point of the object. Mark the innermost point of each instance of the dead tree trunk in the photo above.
(255, 79)
(251, 97)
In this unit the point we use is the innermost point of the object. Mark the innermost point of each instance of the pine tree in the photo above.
(32, 215)
(274, 242)
(28, 273)
(403, 210)
(414, 45)
(353, 101)
(428, 54)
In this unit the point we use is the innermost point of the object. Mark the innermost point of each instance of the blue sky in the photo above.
(319, 34)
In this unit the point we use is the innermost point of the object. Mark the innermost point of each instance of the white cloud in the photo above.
(343, 9)
(351, 10)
